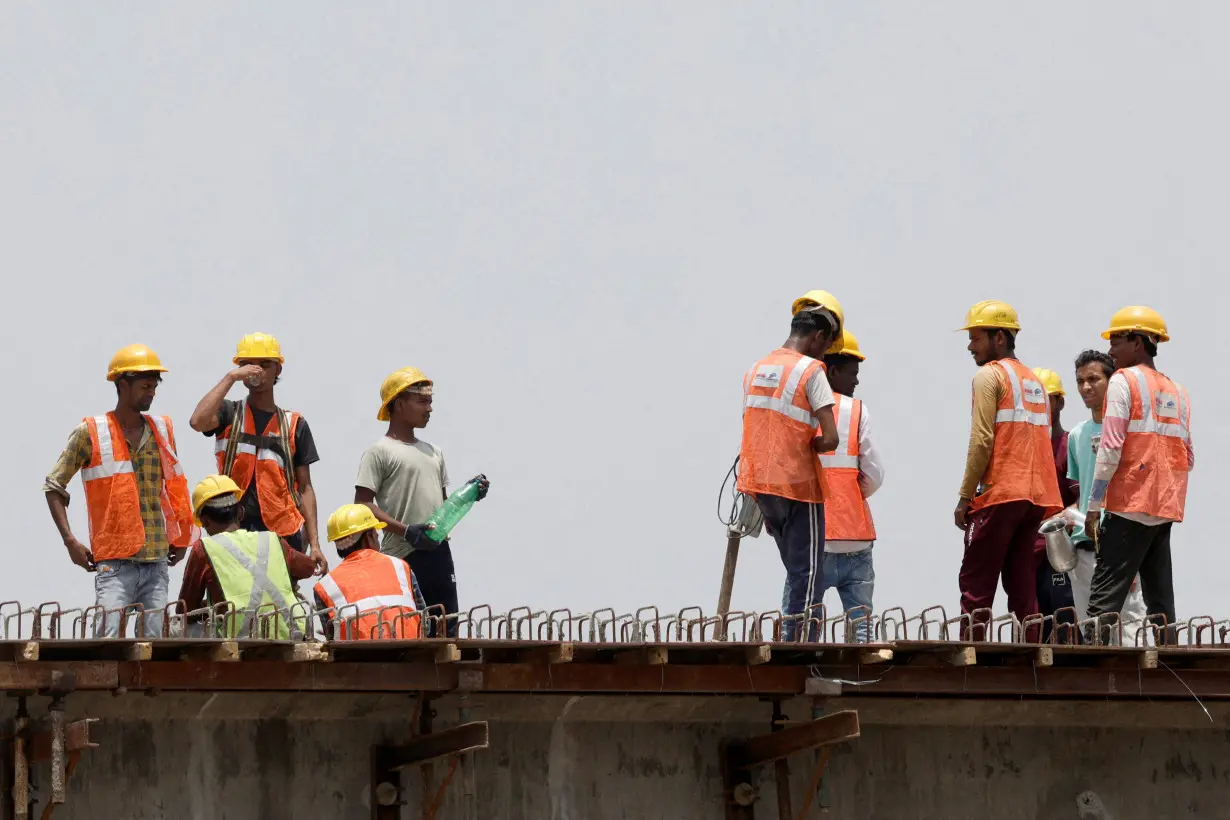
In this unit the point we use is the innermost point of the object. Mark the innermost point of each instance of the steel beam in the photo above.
(467, 737)
(825, 731)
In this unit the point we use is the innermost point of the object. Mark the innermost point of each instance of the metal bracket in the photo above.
(60, 745)
(388, 762)
(740, 758)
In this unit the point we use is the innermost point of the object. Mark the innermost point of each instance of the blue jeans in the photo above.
(118, 584)
(855, 578)
(798, 529)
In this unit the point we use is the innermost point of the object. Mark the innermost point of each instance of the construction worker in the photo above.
(1010, 484)
(1055, 588)
(251, 570)
(403, 480)
(1093, 371)
(1140, 477)
(370, 595)
(136, 497)
(852, 473)
(785, 400)
(272, 457)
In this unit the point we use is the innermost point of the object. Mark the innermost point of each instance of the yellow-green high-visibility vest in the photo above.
(251, 569)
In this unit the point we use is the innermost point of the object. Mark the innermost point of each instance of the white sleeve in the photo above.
(819, 394)
(870, 467)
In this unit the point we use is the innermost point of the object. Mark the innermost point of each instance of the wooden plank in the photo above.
(825, 731)
(563, 653)
(965, 656)
(448, 653)
(1147, 659)
(220, 652)
(467, 737)
(26, 651)
(139, 651)
(647, 656)
(872, 656)
(757, 655)
(1044, 657)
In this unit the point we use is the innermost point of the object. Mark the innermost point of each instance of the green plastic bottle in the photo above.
(454, 508)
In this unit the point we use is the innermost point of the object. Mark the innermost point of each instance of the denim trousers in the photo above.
(854, 577)
(120, 584)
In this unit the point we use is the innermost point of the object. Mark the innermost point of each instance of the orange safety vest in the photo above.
(111, 496)
(1153, 468)
(278, 508)
(778, 427)
(1022, 464)
(847, 516)
(371, 594)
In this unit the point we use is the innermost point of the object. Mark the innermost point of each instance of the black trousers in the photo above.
(1055, 593)
(437, 581)
(1125, 548)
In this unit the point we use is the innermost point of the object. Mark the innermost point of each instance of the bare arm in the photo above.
(307, 495)
(205, 417)
(363, 495)
(826, 439)
(76, 454)
(79, 552)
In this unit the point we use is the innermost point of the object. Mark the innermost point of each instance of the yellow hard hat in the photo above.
(134, 359)
(1050, 380)
(258, 346)
(395, 383)
(846, 345)
(209, 488)
(993, 315)
(820, 298)
(1138, 319)
(351, 519)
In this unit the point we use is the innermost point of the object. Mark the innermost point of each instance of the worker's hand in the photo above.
(315, 553)
(177, 555)
(483, 486)
(416, 536)
(961, 514)
(1092, 521)
(248, 374)
(80, 553)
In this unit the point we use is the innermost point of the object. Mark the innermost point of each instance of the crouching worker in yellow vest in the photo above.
(255, 571)
(370, 595)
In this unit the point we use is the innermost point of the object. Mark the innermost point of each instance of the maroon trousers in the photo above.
(1000, 542)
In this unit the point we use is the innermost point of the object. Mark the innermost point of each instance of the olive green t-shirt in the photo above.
(408, 481)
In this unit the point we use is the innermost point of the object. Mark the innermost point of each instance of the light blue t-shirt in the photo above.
(1082, 455)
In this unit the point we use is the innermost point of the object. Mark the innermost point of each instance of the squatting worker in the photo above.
(1093, 371)
(136, 496)
(1010, 484)
(1140, 478)
(1055, 588)
(254, 571)
(272, 456)
(403, 480)
(786, 399)
(852, 473)
(369, 595)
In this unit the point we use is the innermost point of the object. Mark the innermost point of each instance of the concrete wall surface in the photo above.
(301, 757)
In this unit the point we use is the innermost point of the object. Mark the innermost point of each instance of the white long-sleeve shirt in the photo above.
(870, 479)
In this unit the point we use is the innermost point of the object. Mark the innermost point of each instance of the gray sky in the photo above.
(585, 221)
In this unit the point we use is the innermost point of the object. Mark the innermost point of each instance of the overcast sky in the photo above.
(584, 221)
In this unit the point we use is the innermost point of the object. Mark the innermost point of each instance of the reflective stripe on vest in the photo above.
(107, 466)
(762, 376)
(1169, 401)
(1154, 465)
(262, 454)
(262, 585)
(846, 454)
(1020, 391)
(370, 602)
